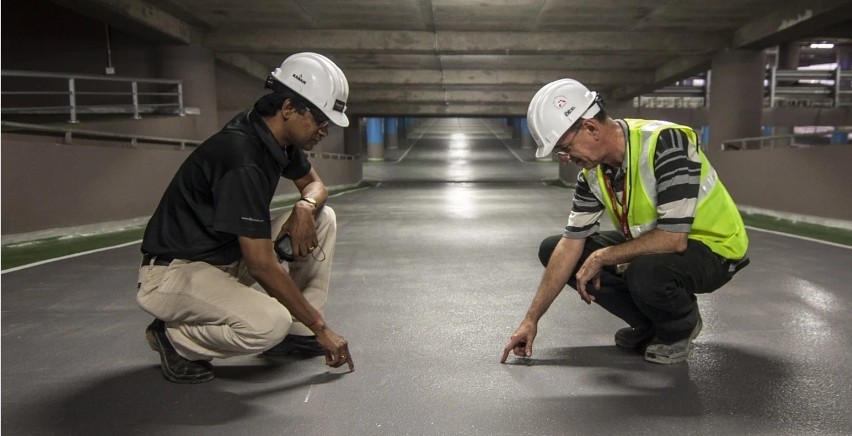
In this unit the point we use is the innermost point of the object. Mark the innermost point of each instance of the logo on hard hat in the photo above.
(559, 101)
(299, 78)
(568, 112)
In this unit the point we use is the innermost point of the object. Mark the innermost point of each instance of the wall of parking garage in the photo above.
(49, 184)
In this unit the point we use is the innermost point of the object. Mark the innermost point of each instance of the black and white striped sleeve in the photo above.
(677, 168)
(586, 212)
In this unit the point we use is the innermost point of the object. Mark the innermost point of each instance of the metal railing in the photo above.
(33, 92)
(819, 88)
(804, 88)
(69, 134)
(783, 141)
(333, 156)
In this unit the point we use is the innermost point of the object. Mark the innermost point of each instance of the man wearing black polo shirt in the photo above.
(211, 237)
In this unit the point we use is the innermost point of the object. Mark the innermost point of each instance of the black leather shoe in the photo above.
(175, 367)
(634, 338)
(297, 346)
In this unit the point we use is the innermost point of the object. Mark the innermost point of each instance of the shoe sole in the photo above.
(155, 345)
(669, 359)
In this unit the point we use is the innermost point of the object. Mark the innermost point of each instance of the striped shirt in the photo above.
(678, 170)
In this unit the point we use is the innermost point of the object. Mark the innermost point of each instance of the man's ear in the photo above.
(590, 125)
(287, 108)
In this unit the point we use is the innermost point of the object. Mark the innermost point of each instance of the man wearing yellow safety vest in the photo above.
(678, 230)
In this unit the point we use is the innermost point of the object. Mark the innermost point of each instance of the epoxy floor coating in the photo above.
(434, 269)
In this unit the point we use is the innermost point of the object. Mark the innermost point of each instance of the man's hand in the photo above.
(590, 271)
(302, 228)
(336, 348)
(521, 341)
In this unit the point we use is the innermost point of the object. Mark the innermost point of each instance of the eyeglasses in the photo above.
(321, 120)
(560, 152)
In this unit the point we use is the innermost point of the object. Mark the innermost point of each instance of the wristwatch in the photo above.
(309, 200)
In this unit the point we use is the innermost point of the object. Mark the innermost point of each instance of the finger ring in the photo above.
(311, 248)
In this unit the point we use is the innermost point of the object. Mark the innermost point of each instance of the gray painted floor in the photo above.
(430, 279)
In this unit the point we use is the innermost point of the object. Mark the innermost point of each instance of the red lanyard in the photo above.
(620, 213)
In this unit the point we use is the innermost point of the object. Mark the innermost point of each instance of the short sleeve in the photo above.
(299, 165)
(586, 212)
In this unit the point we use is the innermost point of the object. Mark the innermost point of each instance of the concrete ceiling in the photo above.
(478, 57)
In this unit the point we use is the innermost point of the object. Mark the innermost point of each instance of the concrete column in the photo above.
(788, 55)
(195, 67)
(391, 133)
(705, 137)
(516, 128)
(375, 142)
(788, 59)
(352, 137)
(403, 131)
(526, 138)
(844, 57)
(736, 96)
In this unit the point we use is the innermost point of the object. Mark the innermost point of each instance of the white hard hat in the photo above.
(318, 80)
(555, 108)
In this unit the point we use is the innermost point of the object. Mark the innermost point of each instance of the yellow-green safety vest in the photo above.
(717, 222)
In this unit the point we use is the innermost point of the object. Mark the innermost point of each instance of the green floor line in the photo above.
(814, 231)
(23, 253)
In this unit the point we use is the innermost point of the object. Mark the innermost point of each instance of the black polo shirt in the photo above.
(222, 191)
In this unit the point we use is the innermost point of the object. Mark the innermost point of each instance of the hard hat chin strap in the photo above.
(594, 108)
(273, 84)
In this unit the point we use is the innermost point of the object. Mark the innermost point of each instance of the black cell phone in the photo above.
(284, 249)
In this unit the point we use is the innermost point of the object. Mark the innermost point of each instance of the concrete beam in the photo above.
(421, 96)
(368, 77)
(138, 16)
(783, 25)
(794, 22)
(666, 74)
(244, 64)
(456, 42)
(417, 109)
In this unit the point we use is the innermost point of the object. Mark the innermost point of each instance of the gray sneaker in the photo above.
(678, 351)
(634, 338)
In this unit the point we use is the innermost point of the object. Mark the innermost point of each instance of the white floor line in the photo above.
(70, 256)
(422, 133)
(805, 238)
(503, 141)
(83, 253)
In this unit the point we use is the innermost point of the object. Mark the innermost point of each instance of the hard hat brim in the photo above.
(543, 151)
(337, 118)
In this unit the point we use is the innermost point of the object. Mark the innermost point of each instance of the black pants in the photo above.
(656, 289)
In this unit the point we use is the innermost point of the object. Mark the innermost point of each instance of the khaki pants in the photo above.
(212, 311)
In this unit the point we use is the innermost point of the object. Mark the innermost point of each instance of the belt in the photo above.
(158, 260)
